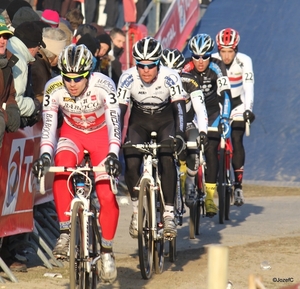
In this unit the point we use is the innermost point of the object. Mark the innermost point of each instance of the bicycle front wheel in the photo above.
(159, 242)
(79, 277)
(145, 235)
(222, 186)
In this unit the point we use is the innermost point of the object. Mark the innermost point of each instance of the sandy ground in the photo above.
(191, 267)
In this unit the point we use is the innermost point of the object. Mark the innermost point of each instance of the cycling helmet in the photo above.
(228, 38)
(201, 44)
(75, 59)
(147, 48)
(172, 58)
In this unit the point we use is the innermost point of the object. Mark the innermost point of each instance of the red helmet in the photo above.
(227, 38)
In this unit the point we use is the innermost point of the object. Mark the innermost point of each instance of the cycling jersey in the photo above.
(215, 86)
(241, 77)
(96, 108)
(152, 98)
(195, 106)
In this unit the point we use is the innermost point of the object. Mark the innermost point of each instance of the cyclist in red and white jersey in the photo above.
(241, 77)
(153, 93)
(214, 83)
(91, 122)
(196, 117)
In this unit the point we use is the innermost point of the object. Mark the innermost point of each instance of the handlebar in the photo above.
(61, 169)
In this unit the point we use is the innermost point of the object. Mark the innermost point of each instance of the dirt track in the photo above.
(190, 269)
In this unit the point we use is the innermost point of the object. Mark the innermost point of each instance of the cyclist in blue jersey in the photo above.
(214, 83)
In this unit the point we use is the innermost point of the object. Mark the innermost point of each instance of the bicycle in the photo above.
(150, 210)
(225, 181)
(85, 238)
(197, 199)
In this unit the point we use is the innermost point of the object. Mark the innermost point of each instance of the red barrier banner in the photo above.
(178, 24)
(19, 192)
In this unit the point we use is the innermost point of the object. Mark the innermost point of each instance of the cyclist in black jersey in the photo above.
(196, 117)
(214, 83)
(153, 94)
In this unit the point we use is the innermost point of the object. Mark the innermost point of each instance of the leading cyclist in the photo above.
(154, 94)
(241, 77)
(212, 77)
(91, 122)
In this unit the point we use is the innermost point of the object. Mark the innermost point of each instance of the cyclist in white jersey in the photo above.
(91, 122)
(153, 93)
(241, 77)
(196, 118)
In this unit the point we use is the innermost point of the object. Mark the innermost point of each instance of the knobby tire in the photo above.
(222, 186)
(145, 236)
(79, 278)
(159, 243)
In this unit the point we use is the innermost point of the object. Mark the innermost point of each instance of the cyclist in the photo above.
(214, 83)
(241, 77)
(196, 118)
(154, 94)
(91, 122)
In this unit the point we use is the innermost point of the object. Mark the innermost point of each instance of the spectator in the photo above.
(118, 38)
(9, 111)
(92, 44)
(45, 65)
(91, 10)
(50, 17)
(9, 119)
(84, 29)
(25, 44)
(63, 26)
(114, 12)
(14, 6)
(100, 29)
(66, 7)
(75, 18)
(103, 59)
(24, 14)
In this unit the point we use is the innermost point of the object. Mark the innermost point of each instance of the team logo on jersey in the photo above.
(127, 81)
(53, 86)
(68, 99)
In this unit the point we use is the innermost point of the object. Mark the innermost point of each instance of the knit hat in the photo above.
(51, 17)
(105, 38)
(24, 14)
(53, 45)
(30, 34)
(3, 27)
(86, 29)
(90, 42)
(14, 6)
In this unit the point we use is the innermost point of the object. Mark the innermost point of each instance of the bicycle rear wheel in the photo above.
(228, 198)
(222, 186)
(159, 242)
(79, 278)
(145, 236)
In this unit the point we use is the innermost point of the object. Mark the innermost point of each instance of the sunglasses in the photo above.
(76, 78)
(5, 36)
(148, 65)
(203, 57)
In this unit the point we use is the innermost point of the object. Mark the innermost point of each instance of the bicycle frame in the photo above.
(81, 210)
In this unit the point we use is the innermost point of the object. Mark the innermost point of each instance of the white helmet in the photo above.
(173, 58)
(147, 48)
(201, 44)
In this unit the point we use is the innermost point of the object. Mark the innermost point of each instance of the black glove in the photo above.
(112, 165)
(13, 117)
(180, 142)
(249, 115)
(202, 139)
(35, 117)
(41, 166)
